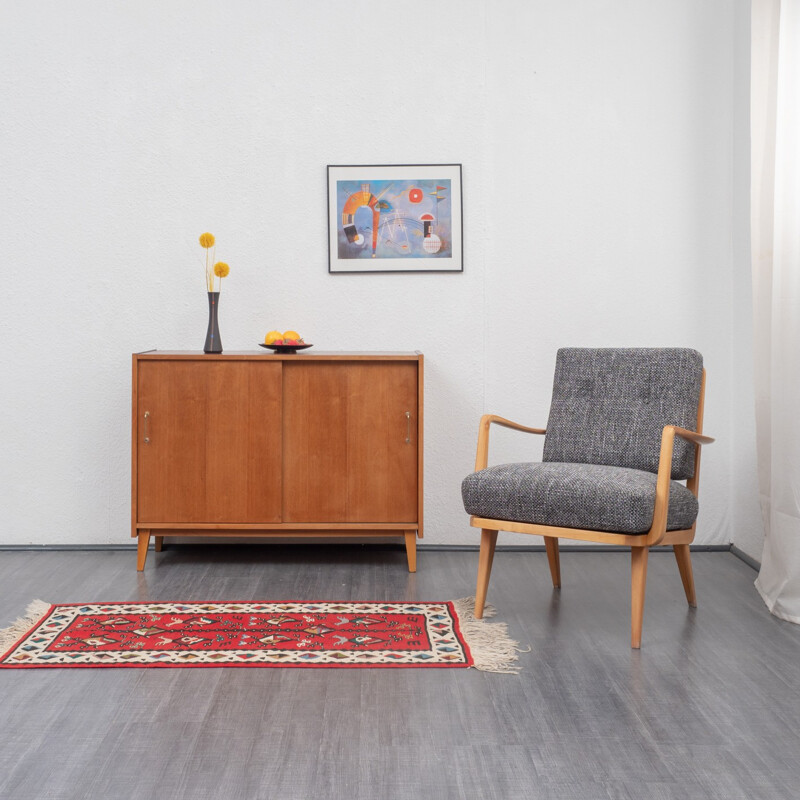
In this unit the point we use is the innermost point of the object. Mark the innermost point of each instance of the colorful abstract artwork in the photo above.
(395, 218)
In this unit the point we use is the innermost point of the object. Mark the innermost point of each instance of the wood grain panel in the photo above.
(346, 457)
(315, 442)
(382, 442)
(243, 454)
(171, 466)
(214, 453)
(265, 449)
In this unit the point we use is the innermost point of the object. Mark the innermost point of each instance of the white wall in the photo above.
(600, 191)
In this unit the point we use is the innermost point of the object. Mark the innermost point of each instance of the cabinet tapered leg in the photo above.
(488, 542)
(159, 543)
(141, 554)
(411, 549)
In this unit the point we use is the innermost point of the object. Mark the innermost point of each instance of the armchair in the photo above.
(624, 433)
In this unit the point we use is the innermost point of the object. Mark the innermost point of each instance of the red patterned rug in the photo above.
(290, 634)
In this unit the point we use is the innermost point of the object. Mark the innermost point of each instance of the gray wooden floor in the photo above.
(709, 708)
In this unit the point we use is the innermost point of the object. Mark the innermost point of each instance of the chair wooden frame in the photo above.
(640, 544)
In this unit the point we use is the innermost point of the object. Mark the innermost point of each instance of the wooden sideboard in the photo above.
(248, 444)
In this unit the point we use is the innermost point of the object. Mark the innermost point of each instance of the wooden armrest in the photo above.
(664, 476)
(697, 438)
(482, 456)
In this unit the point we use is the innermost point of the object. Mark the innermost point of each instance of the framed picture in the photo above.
(395, 218)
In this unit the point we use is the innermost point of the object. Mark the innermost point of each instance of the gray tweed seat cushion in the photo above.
(591, 496)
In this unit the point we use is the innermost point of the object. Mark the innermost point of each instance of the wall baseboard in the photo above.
(742, 556)
(574, 548)
(470, 548)
(56, 547)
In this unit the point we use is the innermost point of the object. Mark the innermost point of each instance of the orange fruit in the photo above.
(290, 335)
(272, 336)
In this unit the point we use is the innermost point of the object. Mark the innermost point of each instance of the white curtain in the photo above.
(775, 142)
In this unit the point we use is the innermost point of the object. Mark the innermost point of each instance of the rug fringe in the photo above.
(35, 611)
(491, 647)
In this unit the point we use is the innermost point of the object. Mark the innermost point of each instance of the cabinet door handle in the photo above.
(146, 432)
(408, 427)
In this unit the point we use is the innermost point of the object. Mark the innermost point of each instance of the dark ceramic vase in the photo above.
(213, 341)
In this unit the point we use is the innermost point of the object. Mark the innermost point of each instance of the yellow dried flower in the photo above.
(219, 269)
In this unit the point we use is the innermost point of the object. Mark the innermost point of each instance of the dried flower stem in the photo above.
(213, 268)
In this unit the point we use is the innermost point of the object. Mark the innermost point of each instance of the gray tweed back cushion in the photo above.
(610, 406)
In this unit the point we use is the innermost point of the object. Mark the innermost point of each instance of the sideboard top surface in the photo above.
(250, 355)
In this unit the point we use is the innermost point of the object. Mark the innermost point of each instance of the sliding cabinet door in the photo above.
(350, 441)
(209, 441)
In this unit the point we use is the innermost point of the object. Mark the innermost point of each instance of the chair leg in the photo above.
(638, 582)
(685, 566)
(551, 545)
(488, 541)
